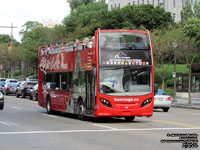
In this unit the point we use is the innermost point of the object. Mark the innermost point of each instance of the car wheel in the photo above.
(36, 97)
(129, 118)
(23, 94)
(17, 94)
(1, 107)
(30, 97)
(165, 109)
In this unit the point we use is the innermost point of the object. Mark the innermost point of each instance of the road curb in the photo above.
(186, 106)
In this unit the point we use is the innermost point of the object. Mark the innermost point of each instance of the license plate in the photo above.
(160, 99)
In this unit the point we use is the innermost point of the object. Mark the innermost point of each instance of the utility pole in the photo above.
(11, 27)
(174, 73)
(11, 44)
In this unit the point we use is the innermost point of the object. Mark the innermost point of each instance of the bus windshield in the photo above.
(125, 81)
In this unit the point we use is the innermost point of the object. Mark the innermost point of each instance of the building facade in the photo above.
(173, 6)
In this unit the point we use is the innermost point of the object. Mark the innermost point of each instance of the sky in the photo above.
(19, 12)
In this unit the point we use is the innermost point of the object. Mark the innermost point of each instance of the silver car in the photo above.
(162, 101)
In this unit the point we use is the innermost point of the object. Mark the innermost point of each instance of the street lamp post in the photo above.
(174, 74)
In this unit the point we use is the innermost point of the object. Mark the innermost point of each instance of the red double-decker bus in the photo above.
(111, 75)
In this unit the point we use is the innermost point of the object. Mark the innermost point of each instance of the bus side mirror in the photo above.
(155, 88)
(94, 72)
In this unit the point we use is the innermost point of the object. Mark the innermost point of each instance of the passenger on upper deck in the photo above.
(91, 43)
(76, 44)
(85, 43)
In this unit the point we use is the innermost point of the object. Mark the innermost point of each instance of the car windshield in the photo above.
(125, 81)
(160, 92)
(13, 81)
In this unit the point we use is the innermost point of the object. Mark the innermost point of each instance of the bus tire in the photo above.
(48, 105)
(80, 110)
(129, 118)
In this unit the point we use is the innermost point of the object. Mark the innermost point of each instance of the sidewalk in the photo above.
(183, 103)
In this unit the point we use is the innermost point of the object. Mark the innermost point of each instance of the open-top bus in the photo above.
(111, 76)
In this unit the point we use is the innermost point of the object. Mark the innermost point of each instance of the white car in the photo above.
(162, 101)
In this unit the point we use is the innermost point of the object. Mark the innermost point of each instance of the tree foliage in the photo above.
(4, 38)
(135, 16)
(197, 9)
(85, 20)
(75, 3)
(192, 29)
(186, 12)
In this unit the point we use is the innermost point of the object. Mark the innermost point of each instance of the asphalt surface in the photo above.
(26, 126)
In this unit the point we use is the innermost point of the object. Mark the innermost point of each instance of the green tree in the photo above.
(4, 38)
(186, 12)
(134, 16)
(197, 9)
(75, 3)
(189, 52)
(85, 20)
(192, 29)
(35, 35)
(29, 26)
(163, 45)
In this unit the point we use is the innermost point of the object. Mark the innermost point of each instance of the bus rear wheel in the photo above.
(48, 105)
(129, 118)
(80, 110)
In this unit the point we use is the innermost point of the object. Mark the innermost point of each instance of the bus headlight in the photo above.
(105, 102)
(146, 102)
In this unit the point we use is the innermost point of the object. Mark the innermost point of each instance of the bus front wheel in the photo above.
(129, 118)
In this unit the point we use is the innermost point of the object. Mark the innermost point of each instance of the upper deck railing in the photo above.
(85, 44)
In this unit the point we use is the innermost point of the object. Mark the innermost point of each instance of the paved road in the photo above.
(26, 126)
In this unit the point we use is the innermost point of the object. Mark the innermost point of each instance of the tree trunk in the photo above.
(190, 76)
(163, 82)
(189, 85)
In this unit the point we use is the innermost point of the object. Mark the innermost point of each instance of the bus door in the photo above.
(90, 93)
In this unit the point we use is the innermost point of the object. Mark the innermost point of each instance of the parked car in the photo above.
(34, 93)
(10, 86)
(1, 101)
(2, 81)
(1, 88)
(162, 101)
(24, 89)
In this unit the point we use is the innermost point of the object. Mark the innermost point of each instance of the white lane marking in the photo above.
(104, 126)
(16, 107)
(196, 113)
(5, 123)
(9, 123)
(49, 115)
(162, 115)
(79, 131)
(14, 124)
